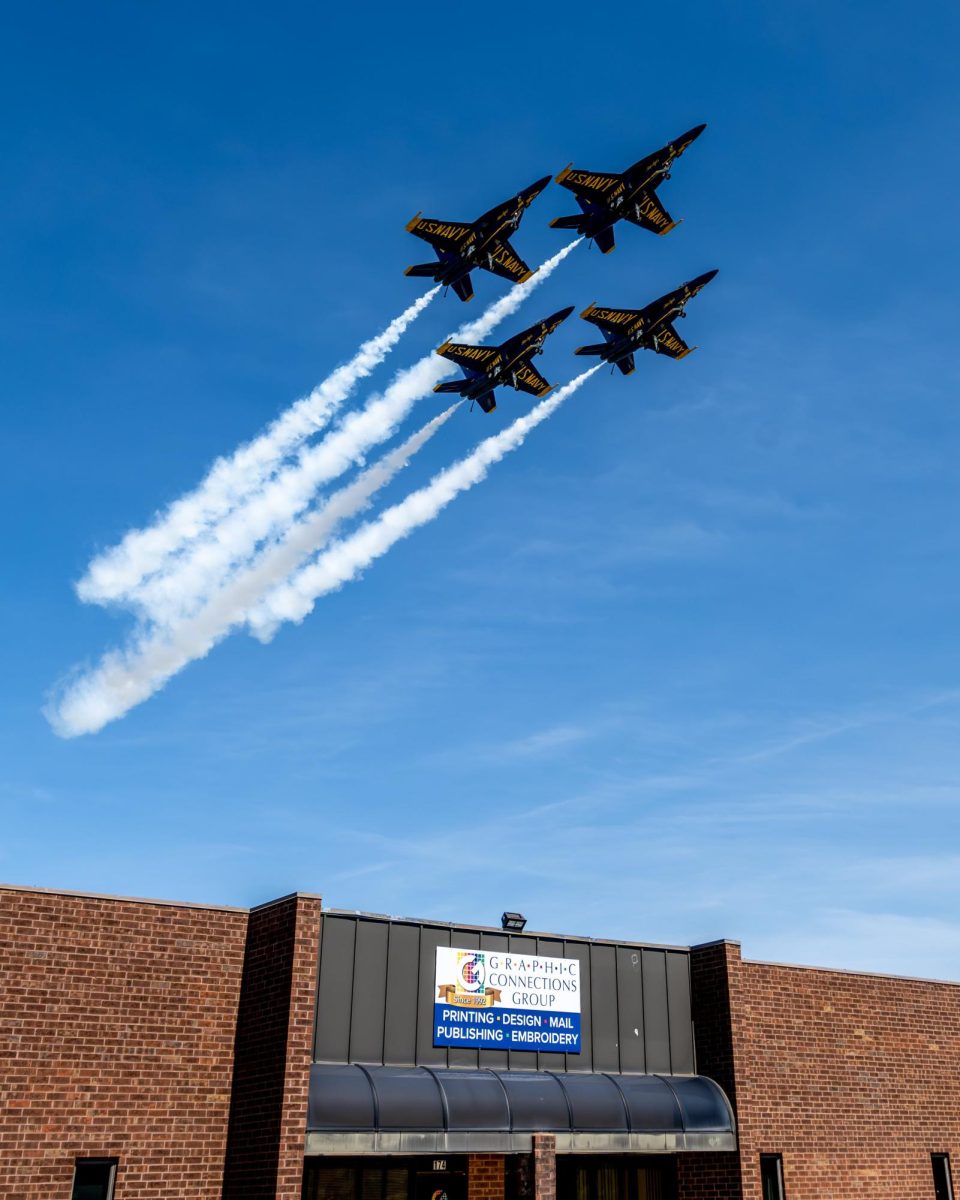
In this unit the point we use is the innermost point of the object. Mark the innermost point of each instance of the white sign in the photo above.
(503, 999)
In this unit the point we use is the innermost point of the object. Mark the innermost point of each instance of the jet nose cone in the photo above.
(534, 190)
(563, 314)
(696, 131)
(701, 281)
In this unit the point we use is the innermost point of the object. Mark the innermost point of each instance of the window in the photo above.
(636, 1178)
(942, 1184)
(93, 1178)
(771, 1176)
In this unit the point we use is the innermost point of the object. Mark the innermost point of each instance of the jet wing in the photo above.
(445, 235)
(475, 359)
(592, 185)
(670, 343)
(505, 262)
(614, 320)
(531, 381)
(650, 214)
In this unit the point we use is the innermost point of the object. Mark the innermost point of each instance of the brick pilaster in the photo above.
(273, 1052)
(715, 980)
(544, 1166)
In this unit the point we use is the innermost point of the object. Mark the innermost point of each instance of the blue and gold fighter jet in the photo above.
(488, 367)
(626, 330)
(462, 246)
(606, 198)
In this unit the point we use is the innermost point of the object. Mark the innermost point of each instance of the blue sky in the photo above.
(686, 665)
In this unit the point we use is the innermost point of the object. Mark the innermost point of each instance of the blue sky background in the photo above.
(688, 664)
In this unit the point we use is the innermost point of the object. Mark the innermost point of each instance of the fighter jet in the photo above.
(463, 245)
(605, 198)
(487, 367)
(628, 329)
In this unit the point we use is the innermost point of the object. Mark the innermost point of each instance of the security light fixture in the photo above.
(514, 921)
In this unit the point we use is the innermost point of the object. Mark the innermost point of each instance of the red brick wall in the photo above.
(116, 1040)
(273, 1052)
(854, 1079)
(708, 1176)
(485, 1177)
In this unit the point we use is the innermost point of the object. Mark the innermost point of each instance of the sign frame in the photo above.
(506, 1000)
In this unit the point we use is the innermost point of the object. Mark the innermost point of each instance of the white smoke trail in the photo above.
(174, 594)
(118, 572)
(125, 678)
(345, 560)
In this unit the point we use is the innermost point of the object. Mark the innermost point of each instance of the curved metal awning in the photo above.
(383, 1110)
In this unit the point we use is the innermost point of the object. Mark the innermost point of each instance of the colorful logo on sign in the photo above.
(470, 972)
(468, 988)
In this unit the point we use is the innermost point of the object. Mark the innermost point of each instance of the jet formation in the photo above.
(604, 199)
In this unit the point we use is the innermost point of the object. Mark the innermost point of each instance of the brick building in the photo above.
(181, 1051)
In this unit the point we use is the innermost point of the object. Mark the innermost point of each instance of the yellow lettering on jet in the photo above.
(596, 183)
(526, 374)
(503, 258)
(438, 229)
(654, 214)
(613, 316)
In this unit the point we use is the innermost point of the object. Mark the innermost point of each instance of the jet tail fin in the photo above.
(597, 348)
(463, 287)
(567, 222)
(457, 386)
(604, 240)
(430, 270)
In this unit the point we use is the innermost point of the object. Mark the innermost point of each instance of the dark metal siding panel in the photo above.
(400, 1024)
(681, 1022)
(550, 948)
(494, 1058)
(458, 1056)
(584, 1060)
(369, 992)
(375, 997)
(630, 1004)
(335, 989)
(603, 998)
(522, 1060)
(655, 1011)
(429, 1055)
